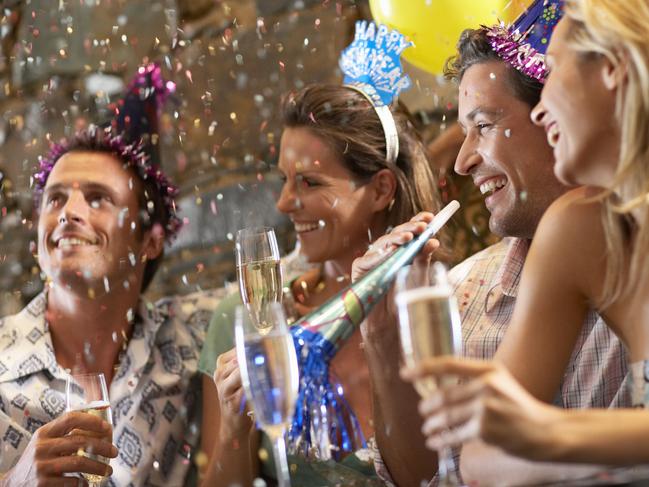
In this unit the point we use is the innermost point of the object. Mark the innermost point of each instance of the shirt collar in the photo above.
(509, 273)
(149, 318)
(26, 344)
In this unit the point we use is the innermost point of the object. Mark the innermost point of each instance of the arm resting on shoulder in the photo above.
(588, 436)
(492, 466)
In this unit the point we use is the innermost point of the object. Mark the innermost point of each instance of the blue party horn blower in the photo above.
(321, 409)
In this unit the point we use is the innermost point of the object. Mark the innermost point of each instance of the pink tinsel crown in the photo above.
(132, 154)
(130, 137)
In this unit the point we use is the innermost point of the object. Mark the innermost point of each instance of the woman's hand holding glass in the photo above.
(488, 404)
(235, 420)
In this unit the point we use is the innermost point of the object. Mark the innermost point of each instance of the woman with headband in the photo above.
(349, 175)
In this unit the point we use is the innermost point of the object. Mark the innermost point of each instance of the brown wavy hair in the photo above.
(347, 121)
(474, 47)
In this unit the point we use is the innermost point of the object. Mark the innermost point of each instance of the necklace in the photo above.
(320, 284)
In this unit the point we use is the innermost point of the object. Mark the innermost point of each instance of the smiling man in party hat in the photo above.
(500, 71)
(105, 210)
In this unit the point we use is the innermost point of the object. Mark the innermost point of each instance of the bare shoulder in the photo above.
(570, 238)
(576, 213)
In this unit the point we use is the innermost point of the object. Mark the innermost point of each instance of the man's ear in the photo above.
(153, 242)
(384, 184)
(615, 75)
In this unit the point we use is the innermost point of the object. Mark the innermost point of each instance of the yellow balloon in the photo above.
(435, 25)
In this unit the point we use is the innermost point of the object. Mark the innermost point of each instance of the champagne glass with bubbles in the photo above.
(269, 373)
(258, 272)
(429, 326)
(87, 393)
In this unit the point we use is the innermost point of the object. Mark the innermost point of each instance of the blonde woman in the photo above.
(590, 248)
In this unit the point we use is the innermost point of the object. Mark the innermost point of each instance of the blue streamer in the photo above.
(337, 318)
(314, 353)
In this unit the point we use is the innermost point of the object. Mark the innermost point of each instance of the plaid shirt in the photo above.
(486, 285)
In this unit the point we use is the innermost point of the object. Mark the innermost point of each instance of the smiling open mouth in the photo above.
(69, 242)
(493, 185)
(553, 135)
(306, 227)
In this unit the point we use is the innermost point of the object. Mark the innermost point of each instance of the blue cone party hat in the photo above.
(524, 44)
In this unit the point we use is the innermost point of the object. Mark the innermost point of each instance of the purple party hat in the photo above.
(132, 135)
(137, 112)
(524, 44)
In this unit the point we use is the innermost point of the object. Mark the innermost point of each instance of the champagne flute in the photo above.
(269, 373)
(87, 393)
(258, 271)
(429, 326)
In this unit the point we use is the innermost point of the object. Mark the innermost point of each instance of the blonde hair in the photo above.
(619, 30)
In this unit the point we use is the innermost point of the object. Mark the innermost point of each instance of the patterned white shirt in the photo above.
(155, 394)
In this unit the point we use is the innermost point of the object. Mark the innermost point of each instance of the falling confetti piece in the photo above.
(201, 459)
(263, 454)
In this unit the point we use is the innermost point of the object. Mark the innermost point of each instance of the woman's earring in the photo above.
(391, 205)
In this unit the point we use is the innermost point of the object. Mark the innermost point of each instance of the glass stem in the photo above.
(281, 462)
(447, 472)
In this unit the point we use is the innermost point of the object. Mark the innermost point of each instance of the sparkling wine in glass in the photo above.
(269, 373)
(87, 393)
(258, 271)
(429, 326)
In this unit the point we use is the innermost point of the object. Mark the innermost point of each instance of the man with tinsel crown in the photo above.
(500, 70)
(105, 211)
